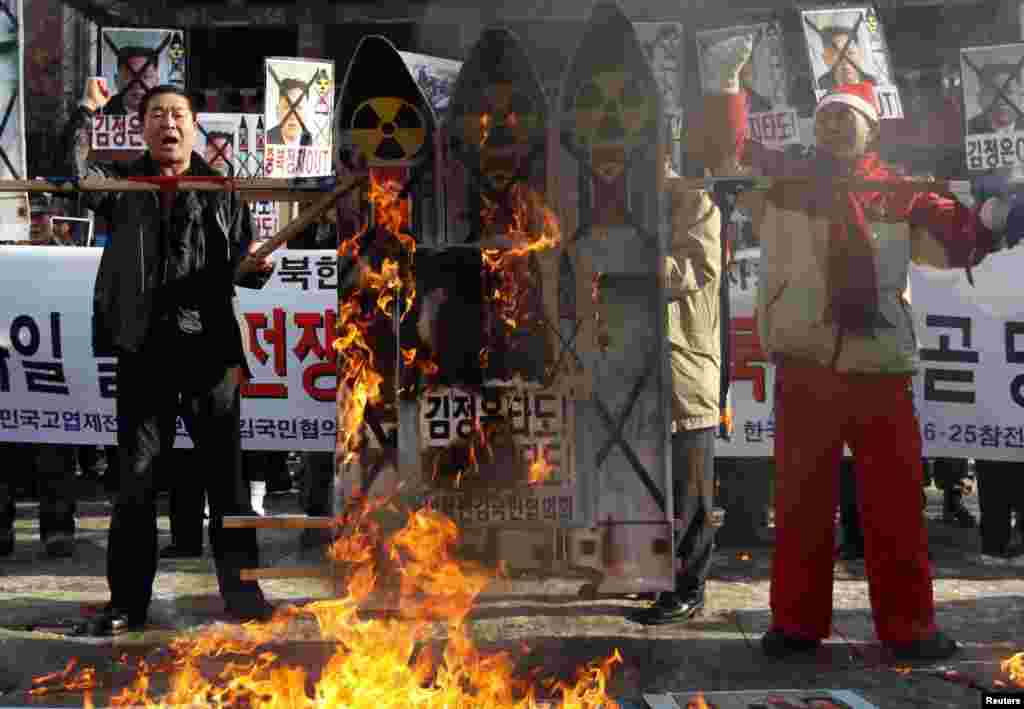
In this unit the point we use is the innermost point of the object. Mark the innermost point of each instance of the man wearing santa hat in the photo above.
(834, 314)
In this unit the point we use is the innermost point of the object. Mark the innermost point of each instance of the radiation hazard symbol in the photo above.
(612, 107)
(388, 129)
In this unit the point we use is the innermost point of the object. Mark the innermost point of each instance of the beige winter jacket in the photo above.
(693, 272)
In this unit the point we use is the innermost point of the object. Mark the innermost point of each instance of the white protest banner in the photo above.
(52, 389)
(771, 119)
(134, 60)
(970, 392)
(15, 221)
(436, 77)
(846, 45)
(662, 43)
(299, 107)
(993, 106)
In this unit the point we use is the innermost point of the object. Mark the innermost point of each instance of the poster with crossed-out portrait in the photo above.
(662, 44)
(15, 218)
(765, 78)
(299, 116)
(847, 46)
(134, 60)
(991, 79)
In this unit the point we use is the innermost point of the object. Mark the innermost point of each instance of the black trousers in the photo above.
(318, 487)
(52, 468)
(183, 471)
(693, 492)
(153, 387)
(1000, 489)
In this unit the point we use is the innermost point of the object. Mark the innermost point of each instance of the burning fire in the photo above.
(540, 470)
(386, 286)
(1014, 666)
(528, 226)
(378, 663)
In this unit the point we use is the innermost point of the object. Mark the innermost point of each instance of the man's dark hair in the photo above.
(829, 34)
(126, 53)
(287, 85)
(161, 90)
(222, 135)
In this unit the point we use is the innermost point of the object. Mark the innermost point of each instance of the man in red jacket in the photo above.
(834, 315)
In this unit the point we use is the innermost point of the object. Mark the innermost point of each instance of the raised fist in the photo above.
(724, 60)
(97, 93)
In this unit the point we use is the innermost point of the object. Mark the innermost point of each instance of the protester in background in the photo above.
(952, 477)
(163, 303)
(692, 272)
(1000, 491)
(833, 318)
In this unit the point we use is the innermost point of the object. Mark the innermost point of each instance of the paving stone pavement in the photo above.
(980, 605)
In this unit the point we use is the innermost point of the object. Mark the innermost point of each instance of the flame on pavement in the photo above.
(380, 663)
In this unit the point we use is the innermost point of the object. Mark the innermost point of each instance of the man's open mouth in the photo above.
(170, 140)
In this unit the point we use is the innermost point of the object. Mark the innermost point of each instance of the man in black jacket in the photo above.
(164, 305)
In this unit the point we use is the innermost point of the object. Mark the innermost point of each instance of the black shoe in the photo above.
(109, 623)
(937, 646)
(6, 543)
(669, 608)
(173, 551)
(775, 643)
(959, 516)
(60, 546)
(851, 552)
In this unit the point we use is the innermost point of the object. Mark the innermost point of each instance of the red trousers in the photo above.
(816, 411)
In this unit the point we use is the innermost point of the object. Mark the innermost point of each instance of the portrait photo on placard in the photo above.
(135, 60)
(217, 139)
(847, 46)
(991, 82)
(12, 142)
(991, 79)
(299, 114)
(764, 79)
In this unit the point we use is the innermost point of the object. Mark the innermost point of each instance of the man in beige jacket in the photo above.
(693, 273)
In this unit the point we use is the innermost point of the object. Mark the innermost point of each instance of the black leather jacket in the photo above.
(130, 280)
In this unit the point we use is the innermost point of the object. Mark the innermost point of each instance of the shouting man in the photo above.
(164, 305)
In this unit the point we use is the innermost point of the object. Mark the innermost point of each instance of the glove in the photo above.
(1014, 230)
(723, 62)
(987, 186)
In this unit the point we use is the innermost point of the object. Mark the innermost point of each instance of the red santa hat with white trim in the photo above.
(860, 96)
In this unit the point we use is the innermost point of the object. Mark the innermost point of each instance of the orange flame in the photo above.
(377, 663)
(392, 281)
(528, 226)
(1014, 667)
(540, 470)
(697, 702)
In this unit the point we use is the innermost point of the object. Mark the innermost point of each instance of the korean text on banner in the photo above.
(52, 389)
